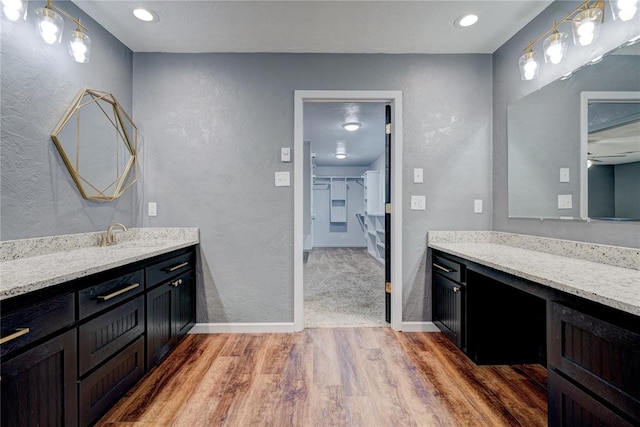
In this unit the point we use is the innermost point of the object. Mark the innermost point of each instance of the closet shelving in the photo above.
(337, 185)
(374, 217)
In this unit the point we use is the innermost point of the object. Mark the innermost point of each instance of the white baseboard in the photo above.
(257, 328)
(419, 327)
(241, 328)
(343, 245)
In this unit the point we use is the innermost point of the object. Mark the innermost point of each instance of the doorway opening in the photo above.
(347, 214)
(345, 164)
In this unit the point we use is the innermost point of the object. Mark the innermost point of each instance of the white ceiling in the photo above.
(323, 128)
(338, 26)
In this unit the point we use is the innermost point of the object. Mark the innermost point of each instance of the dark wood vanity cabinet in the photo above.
(594, 366)
(592, 352)
(69, 352)
(449, 299)
(171, 305)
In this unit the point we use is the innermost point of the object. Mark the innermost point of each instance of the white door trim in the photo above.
(395, 99)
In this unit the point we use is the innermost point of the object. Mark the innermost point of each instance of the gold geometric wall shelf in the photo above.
(98, 142)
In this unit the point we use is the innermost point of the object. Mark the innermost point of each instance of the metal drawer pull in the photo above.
(176, 283)
(175, 267)
(445, 269)
(18, 333)
(456, 289)
(118, 292)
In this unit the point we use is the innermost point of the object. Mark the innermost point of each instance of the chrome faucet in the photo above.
(108, 238)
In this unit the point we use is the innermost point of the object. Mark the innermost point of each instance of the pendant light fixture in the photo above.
(585, 22)
(50, 25)
(15, 9)
(624, 10)
(586, 26)
(555, 46)
(529, 65)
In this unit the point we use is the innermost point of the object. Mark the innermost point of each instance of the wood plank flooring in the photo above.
(331, 377)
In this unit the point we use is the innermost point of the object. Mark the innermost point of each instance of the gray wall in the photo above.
(508, 87)
(601, 192)
(38, 196)
(627, 190)
(213, 125)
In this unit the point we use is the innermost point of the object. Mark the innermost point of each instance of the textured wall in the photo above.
(38, 196)
(508, 87)
(213, 124)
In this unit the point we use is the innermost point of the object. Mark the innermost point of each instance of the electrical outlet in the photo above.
(152, 209)
(564, 201)
(418, 203)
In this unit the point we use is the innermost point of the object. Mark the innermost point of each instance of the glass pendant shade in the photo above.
(555, 47)
(49, 25)
(15, 9)
(528, 66)
(624, 10)
(586, 26)
(80, 47)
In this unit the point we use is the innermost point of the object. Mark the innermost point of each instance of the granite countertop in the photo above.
(611, 285)
(32, 264)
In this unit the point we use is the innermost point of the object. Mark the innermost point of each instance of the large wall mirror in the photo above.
(547, 158)
(610, 139)
(98, 143)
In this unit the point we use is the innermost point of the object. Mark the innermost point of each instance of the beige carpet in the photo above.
(343, 287)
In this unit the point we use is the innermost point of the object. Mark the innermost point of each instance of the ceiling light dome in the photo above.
(145, 15)
(466, 20)
(341, 156)
(351, 126)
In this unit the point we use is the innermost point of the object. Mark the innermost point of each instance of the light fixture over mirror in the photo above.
(97, 141)
(585, 22)
(50, 25)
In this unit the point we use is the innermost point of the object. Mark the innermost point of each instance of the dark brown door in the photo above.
(387, 217)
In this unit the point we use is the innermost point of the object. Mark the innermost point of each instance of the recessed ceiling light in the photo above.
(466, 20)
(145, 15)
(351, 126)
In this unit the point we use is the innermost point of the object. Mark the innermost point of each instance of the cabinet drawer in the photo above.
(100, 390)
(570, 406)
(171, 267)
(104, 295)
(29, 324)
(107, 334)
(447, 268)
(601, 356)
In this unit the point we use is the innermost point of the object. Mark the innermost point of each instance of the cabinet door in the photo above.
(39, 385)
(448, 313)
(160, 326)
(185, 304)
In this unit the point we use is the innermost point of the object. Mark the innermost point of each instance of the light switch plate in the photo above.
(564, 201)
(477, 206)
(152, 209)
(564, 174)
(418, 175)
(418, 203)
(283, 179)
(285, 154)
